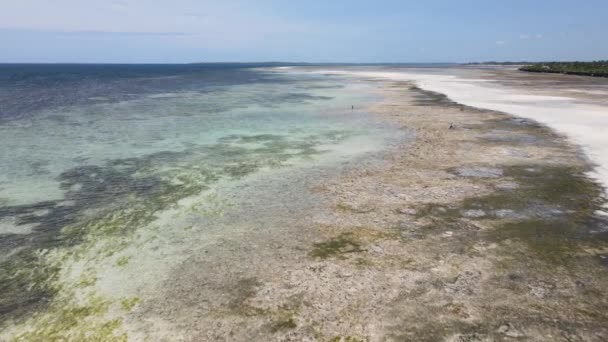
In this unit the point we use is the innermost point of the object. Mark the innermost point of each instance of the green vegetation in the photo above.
(66, 321)
(596, 68)
(110, 202)
(548, 212)
(499, 63)
(123, 261)
(128, 304)
(286, 323)
(336, 247)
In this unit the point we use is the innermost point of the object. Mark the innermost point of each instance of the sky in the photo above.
(353, 31)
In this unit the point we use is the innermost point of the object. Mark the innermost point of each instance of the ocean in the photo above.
(111, 175)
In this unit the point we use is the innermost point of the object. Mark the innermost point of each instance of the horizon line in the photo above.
(300, 63)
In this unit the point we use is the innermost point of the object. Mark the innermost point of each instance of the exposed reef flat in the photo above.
(485, 231)
(453, 236)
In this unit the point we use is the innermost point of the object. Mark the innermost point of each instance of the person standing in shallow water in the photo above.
(352, 107)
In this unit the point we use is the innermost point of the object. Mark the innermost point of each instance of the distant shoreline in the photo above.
(593, 69)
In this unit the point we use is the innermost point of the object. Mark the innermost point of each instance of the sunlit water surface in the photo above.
(107, 172)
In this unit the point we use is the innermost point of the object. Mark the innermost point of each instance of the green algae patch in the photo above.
(549, 212)
(32, 278)
(552, 210)
(556, 184)
(210, 205)
(111, 202)
(542, 192)
(284, 318)
(553, 240)
(128, 304)
(88, 278)
(241, 170)
(559, 186)
(123, 261)
(364, 262)
(73, 322)
(286, 323)
(26, 279)
(336, 247)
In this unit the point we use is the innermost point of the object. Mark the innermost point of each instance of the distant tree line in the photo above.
(596, 68)
(499, 63)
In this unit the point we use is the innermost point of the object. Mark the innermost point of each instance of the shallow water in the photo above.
(102, 166)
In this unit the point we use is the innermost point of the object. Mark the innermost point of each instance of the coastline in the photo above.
(583, 119)
(590, 69)
(482, 232)
(456, 235)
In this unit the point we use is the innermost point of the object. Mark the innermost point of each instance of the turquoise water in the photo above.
(100, 165)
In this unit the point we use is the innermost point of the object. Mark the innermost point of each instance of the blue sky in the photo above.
(177, 31)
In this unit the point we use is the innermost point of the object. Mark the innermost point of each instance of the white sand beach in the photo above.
(567, 111)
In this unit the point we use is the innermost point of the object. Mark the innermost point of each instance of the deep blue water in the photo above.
(27, 88)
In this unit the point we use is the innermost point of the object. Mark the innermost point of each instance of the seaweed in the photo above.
(336, 247)
(107, 203)
(552, 211)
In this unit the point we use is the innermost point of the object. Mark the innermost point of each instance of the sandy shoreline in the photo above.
(571, 105)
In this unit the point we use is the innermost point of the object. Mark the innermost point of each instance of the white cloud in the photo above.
(500, 42)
